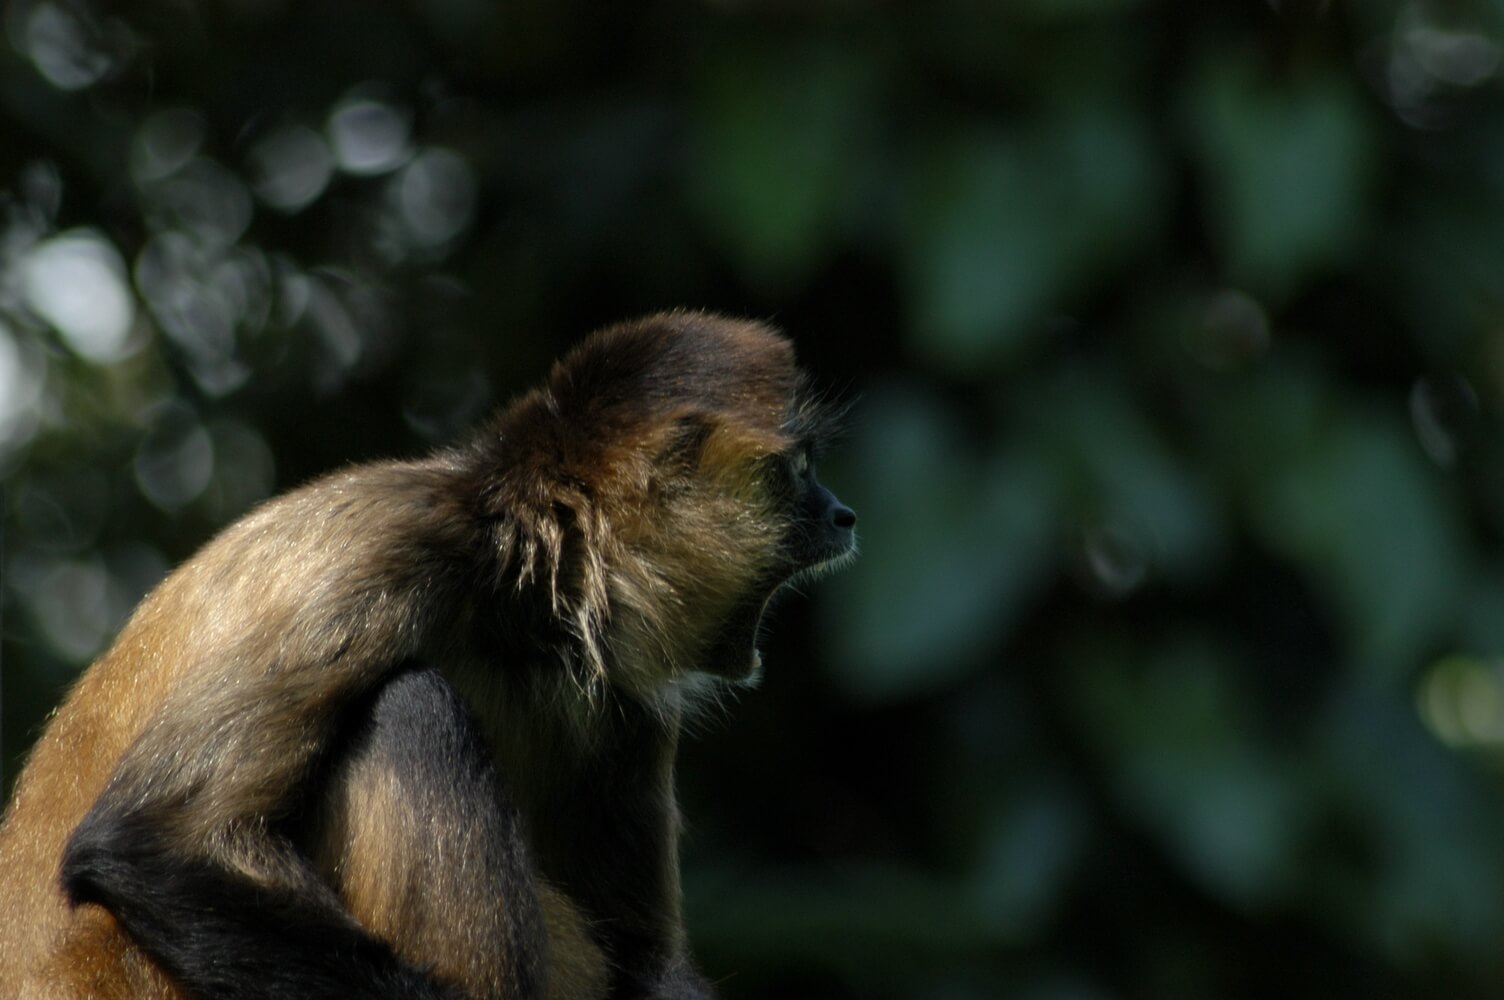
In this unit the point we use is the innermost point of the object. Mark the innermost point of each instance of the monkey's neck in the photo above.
(599, 811)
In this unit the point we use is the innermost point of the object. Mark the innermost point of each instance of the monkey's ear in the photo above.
(685, 441)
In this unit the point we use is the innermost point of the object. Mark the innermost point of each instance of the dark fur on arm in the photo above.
(220, 934)
(443, 868)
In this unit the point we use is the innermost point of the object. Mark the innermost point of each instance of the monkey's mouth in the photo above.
(734, 655)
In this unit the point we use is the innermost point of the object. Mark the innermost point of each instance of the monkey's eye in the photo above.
(800, 463)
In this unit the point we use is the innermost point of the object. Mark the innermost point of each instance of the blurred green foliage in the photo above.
(1174, 663)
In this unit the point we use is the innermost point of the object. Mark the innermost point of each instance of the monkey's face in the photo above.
(822, 531)
(805, 531)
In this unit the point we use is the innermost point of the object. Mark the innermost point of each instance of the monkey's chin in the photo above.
(748, 676)
(753, 676)
(734, 657)
(837, 557)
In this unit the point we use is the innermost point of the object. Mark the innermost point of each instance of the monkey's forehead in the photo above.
(627, 394)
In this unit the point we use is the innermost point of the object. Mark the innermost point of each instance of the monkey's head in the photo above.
(660, 489)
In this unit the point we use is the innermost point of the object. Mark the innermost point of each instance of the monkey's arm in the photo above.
(606, 829)
(420, 836)
(185, 849)
(218, 933)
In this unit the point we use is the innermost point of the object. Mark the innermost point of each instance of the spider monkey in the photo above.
(410, 729)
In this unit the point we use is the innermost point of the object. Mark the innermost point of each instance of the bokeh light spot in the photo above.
(368, 137)
(1117, 559)
(22, 376)
(1233, 330)
(1443, 410)
(206, 200)
(76, 281)
(1461, 701)
(71, 601)
(175, 461)
(1457, 58)
(64, 48)
(291, 167)
(165, 143)
(437, 195)
(244, 470)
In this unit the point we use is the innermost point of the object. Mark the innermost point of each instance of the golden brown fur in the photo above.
(604, 539)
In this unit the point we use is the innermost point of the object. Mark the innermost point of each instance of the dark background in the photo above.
(1173, 666)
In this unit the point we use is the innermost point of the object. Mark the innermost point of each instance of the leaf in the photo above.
(1287, 173)
(1035, 844)
(1000, 226)
(1370, 521)
(1429, 868)
(1184, 762)
(1121, 472)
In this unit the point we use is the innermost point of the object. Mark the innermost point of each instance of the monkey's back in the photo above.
(242, 595)
(41, 937)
